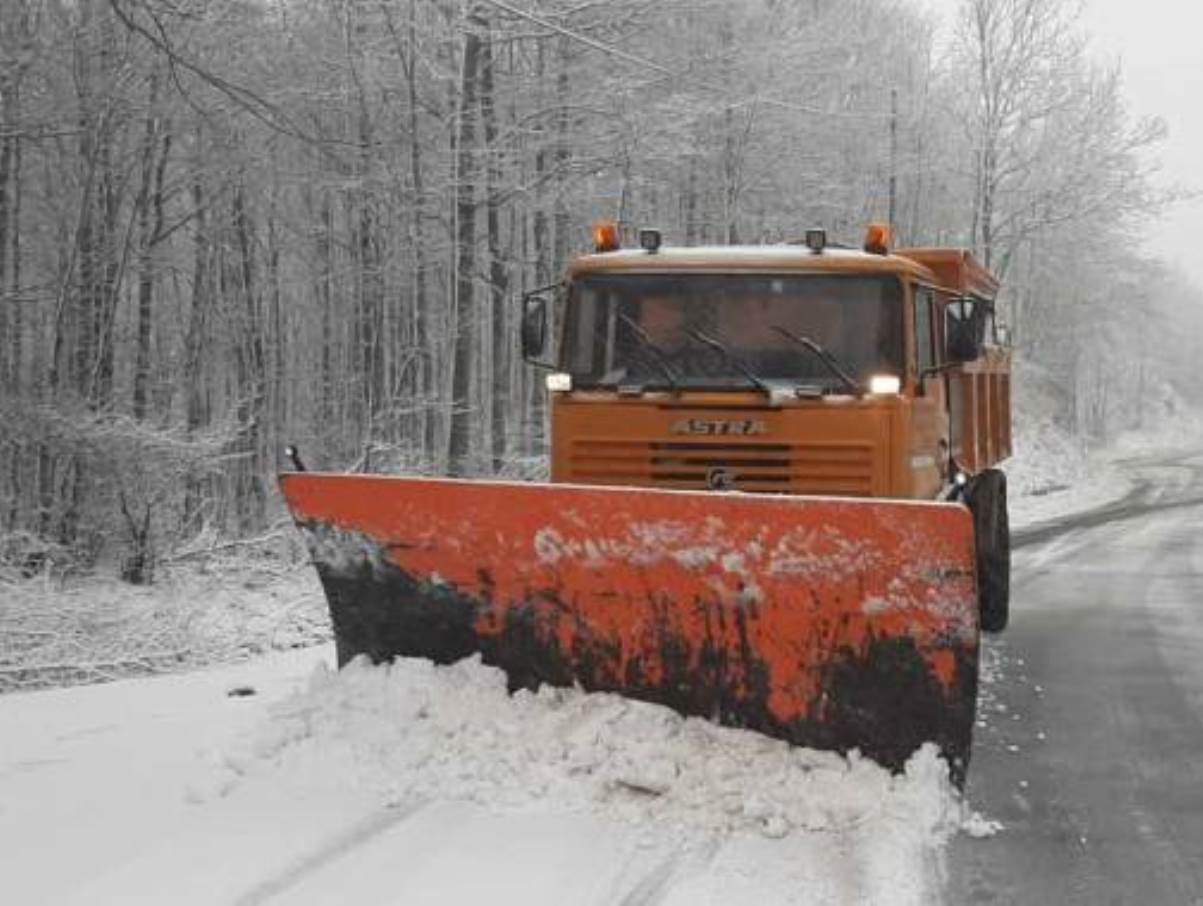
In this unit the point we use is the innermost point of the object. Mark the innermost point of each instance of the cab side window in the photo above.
(924, 341)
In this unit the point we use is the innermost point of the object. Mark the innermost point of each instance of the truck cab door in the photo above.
(930, 435)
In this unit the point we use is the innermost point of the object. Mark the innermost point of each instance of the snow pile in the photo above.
(412, 729)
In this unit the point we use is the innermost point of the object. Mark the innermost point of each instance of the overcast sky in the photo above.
(1160, 46)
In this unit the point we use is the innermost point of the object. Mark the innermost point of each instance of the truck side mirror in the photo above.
(963, 324)
(534, 328)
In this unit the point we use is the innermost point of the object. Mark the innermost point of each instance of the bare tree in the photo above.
(235, 225)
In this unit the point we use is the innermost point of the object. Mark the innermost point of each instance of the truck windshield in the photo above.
(627, 329)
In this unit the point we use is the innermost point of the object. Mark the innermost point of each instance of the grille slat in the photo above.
(836, 469)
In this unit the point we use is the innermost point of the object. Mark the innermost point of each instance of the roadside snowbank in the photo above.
(1054, 473)
(222, 609)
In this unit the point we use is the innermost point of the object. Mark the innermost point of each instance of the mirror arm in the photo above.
(541, 289)
(933, 370)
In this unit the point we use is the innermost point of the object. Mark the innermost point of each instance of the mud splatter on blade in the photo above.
(830, 623)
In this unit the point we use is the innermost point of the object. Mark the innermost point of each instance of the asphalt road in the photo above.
(1089, 745)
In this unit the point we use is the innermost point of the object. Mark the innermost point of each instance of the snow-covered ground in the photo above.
(1053, 474)
(274, 779)
(414, 784)
(58, 632)
(1051, 477)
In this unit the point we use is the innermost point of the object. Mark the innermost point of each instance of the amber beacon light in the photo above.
(877, 239)
(605, 236)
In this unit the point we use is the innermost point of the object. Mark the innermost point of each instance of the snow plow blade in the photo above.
(828, 623)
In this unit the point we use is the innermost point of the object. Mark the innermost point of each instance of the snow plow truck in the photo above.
(774, 500)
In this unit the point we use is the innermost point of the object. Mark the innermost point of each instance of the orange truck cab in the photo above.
(795, 369)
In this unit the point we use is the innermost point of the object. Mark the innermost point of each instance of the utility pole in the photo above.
(893, 156)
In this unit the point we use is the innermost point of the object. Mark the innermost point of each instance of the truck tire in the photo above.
(992, 540)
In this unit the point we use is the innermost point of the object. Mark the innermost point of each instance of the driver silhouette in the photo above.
(664, 321)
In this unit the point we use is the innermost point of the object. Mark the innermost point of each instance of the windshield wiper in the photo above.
(649, 344)
(825, 357)
(731, 357)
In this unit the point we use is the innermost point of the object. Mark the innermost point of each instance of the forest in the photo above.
(231, 225)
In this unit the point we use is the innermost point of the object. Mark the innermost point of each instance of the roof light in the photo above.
(877, 239)
(605, 236)
(816, 240)
(885, 384)
(557, 382)
(649, 240)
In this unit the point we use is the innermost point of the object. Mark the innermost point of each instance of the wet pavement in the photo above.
(1089, 743)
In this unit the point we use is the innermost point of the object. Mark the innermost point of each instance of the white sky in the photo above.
(1158, 45)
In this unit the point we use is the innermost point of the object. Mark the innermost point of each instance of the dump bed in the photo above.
(980, 391)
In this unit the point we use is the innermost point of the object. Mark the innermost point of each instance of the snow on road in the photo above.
(414, 784)
(91, 776)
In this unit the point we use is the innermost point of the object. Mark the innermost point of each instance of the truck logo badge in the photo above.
(719, 479)
(746, 427)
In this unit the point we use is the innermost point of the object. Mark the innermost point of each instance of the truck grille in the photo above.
(836, 469)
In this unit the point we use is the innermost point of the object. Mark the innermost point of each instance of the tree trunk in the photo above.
(498, 276)
(196, 411)
(150, 208)
(278, 393)
(460, 446)
(325, 291)
(542, 256)
(251, 497)
(422, 304)
(563, 222)
(10, 326)
(368, 325)
(7, 140)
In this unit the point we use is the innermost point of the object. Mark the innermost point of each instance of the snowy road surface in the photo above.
(420, 787)
(333, 795)
(1092, 753)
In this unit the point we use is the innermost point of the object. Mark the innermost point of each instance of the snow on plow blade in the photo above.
(829, 623)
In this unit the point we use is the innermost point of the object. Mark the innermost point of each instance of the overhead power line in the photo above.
(620, 54)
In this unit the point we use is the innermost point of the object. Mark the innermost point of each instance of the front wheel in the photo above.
(987, 500)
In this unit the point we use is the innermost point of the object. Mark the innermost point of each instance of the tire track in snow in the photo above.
(355, 836)
(654, 886)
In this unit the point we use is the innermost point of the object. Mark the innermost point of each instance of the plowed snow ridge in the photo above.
(415, 730)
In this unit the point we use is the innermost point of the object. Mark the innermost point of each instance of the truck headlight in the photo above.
(559, 382)
(885, 384)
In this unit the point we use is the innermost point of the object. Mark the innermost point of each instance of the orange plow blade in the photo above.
(829, 623)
